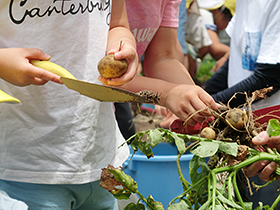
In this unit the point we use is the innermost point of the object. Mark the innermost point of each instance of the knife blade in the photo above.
(104, 93)
(96, 91)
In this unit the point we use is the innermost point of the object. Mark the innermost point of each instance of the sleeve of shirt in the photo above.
(266, 75)
(171, 13)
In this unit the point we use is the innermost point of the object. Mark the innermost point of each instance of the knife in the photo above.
(95, 91)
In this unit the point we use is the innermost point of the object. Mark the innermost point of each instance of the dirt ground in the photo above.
(145, 120)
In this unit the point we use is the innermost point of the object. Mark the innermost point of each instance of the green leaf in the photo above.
(121, 194)
(248, 205)
(140, 206)
(154, 204)
(205, 205)
(230, 148)
(210, 148)
(145, 147)
(273, 128)
(198, 163)
(227, 202)
(130, 206)
(155, 137)
(205, 149)
(180, 143)
(182, 205)
(219, 207)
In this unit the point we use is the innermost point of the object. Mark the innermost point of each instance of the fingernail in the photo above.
(117, 55)
(48, 56)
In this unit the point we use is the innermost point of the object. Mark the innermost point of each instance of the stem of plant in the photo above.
(143, 199)
(184, 182)
(249, 161)
(277, 200)
(185, 192)
(214, 186)
(236, 190)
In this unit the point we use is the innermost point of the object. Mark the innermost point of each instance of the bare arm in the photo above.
(216, 49)
(161, 58)
(169, 78)
(120, 32)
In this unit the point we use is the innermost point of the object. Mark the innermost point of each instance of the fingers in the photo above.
(128, 52)
(160, 110)
(35, 75)
(40, 76)
(261, 138)
(214, 69)
(168, 121)
(201, 104)
(36, 54)
(267, 171)
(190, 103)
(264, 169)
(255, 168)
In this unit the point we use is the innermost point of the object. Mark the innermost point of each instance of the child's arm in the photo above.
(16, 69)
(120, 32)
(178, 92)
(182, 99)
(169, 78)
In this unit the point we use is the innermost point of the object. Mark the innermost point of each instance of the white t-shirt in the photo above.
(254, 32)
(55, 135)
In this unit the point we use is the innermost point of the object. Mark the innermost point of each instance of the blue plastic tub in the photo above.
(158, 176)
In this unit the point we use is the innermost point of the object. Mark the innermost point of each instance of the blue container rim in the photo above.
(160, 158)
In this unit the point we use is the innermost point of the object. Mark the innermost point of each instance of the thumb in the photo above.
(261, 138)
(37, 54)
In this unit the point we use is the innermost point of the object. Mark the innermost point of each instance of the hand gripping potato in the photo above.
(109, 67)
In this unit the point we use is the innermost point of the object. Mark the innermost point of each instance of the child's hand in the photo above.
(191, 103)
(16, 69)
(128, 52)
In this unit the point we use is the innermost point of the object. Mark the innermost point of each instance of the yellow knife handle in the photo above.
(4, 97)
(47, 65)
(52, 67)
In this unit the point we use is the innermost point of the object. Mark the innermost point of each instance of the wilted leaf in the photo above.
(230, 148)
(205, 149)
(155, 204)
(155, 137)
(180, 143)
(182, 205)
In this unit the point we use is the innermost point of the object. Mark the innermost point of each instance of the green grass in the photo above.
(204, 73)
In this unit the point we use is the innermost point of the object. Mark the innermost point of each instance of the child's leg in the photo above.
(60, 197)
(100, 199)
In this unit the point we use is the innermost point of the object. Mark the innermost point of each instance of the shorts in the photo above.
(89, 196)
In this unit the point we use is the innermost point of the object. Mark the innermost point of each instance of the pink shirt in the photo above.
(146, 16)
